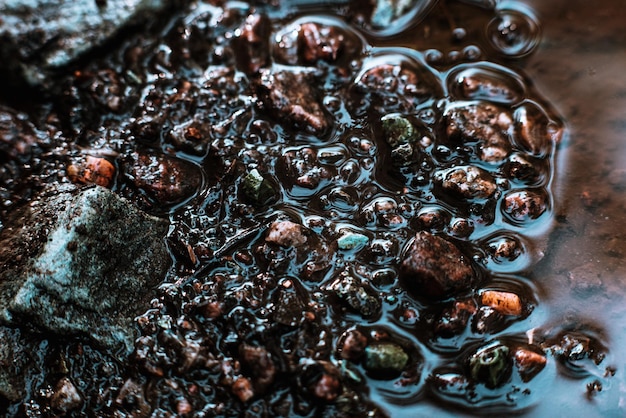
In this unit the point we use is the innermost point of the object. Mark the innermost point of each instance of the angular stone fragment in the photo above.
(489, 125)
(352, 292)
(290, 97)
(81, 262)
(308, 41)
(468, 182)
(286, 234)
(436, 268)
(38, 37)
(256, 188)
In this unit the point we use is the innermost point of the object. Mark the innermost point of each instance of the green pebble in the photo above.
(491, 365)
(385, 358)
(256, 188)
(397, 130)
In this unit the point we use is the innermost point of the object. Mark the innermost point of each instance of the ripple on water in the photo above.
(514, 32)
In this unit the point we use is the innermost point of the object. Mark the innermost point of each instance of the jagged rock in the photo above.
(38, 37)
(81, 262)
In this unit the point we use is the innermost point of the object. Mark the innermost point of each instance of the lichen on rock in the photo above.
(81, 262)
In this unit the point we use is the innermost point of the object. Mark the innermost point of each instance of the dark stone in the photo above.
(289, 96)
(436, 268)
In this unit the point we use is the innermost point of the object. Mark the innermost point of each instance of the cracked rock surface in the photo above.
(81, 262)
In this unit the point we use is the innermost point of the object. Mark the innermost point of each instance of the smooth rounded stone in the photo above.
(41, 36)
(385, 358)
(491, 365)
(81, 262)
(397, 130)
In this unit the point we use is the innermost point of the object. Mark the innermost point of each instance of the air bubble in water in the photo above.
(514, 33)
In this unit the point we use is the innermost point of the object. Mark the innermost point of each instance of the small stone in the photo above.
(307, 42)
(256, 188)
(352, 344)
(385, 358)
(286, 234)
(242, 388)
(467, 181)
(525, 205)
(529, 363)
(398, 130)
(303, 168)
(489, 125)
(66, 396)
(491, 365)
(436, 268)
(351, 240)
(454, 319)
(351, 291)
(290, 97)
(92, 170)
(322, 380)
(165, 179)
(505, 303)
(327, 388)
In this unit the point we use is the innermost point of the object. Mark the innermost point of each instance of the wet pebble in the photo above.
(167, 180)
(355, 294)
(291, 98)
(435, 268)
(385, 358)
(491, 365)
(524, 205)
(489, 125)
(467, 181)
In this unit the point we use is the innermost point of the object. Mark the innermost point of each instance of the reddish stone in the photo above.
(436, 268)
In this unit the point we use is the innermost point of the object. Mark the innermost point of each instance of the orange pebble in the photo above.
(506, 303)
(92, 170)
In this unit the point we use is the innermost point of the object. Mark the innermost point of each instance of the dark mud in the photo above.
(368, 218)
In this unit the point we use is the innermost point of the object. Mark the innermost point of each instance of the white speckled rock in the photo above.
(81, 263)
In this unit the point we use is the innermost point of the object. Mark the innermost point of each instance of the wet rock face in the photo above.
(81, 262)
(40, 36)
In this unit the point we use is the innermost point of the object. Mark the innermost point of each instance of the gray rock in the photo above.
(38, 37)
(81, 262)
